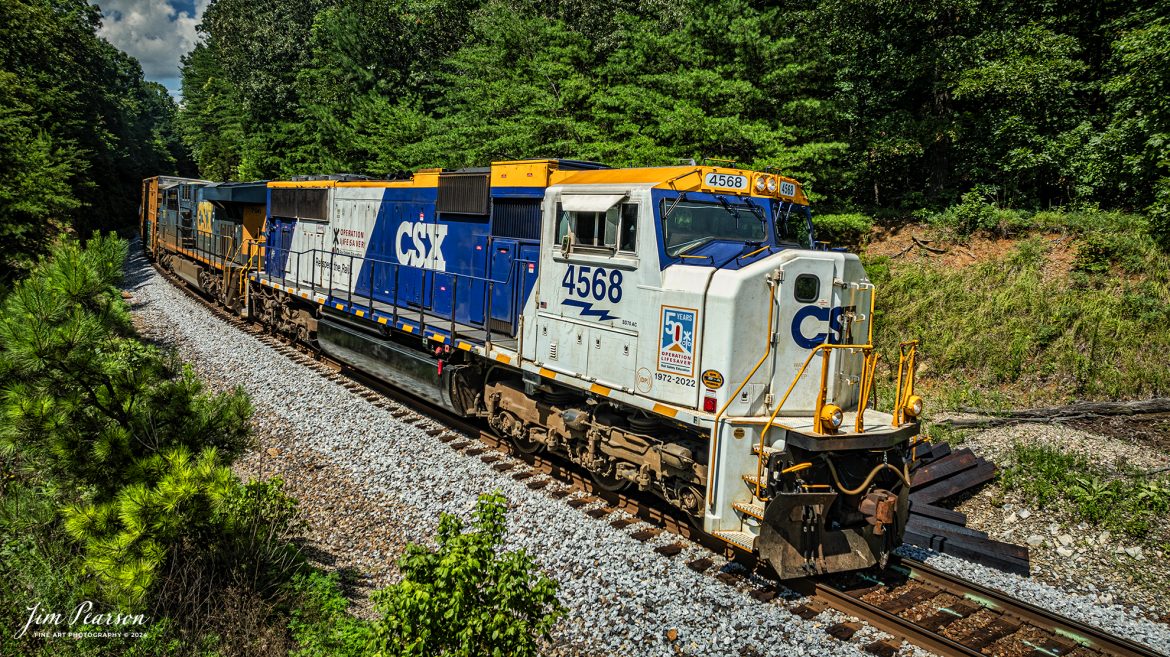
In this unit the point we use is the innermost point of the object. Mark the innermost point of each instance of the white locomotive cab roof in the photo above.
(589, 202)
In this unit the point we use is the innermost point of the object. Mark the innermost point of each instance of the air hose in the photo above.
(903, 474)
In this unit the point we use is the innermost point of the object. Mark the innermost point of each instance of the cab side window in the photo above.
(615, 230)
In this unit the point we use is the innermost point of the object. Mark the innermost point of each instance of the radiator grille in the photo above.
(300, 203)
(516, 217)
(463, 193)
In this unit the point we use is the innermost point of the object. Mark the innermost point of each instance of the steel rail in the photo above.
(1080, 635)
(1076, 631)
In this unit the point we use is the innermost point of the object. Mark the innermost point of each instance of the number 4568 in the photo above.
(595, 283)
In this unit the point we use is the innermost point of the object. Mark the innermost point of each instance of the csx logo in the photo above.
(833, 317)
(421, 245)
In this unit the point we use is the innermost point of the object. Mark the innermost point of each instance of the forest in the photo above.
(890, 108)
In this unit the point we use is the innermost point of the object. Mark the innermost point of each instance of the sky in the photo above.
(156, 32)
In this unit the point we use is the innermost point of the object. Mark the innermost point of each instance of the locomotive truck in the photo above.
(675, 329)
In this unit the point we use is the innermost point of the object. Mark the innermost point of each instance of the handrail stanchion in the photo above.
(487, 315)
(454, 304)
(396, 293)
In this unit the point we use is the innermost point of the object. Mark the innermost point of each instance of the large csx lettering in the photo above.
(421, 245)
(833, 317)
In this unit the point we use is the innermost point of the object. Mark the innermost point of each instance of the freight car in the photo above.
(676, 329)
(206, 233)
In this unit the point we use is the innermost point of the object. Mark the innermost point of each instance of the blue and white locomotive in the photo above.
(670, 328)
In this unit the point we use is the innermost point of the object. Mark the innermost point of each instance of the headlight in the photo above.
(771, 184)
(831, 416)
(913, 406)
(761, 183)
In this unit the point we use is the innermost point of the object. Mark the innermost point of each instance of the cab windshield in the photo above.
(687, 225)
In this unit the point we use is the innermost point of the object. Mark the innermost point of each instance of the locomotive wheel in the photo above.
(527, 446)
(607, 483)
(509, 427)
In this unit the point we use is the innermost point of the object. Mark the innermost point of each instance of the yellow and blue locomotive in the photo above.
(675, 329)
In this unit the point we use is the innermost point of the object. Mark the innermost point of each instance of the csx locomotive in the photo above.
(674, 329)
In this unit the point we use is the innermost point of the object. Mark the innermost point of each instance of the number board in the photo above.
(787, 188)
(726, 180)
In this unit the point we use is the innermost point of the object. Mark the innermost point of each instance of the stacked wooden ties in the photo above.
(938, 474)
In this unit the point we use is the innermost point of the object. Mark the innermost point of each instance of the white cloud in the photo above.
(155, 32)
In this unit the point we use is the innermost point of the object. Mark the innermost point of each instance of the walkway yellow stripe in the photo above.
(548, 374)
(665, 410)
(503, 359)
(600, 389)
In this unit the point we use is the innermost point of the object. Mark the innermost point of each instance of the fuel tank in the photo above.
(411, 370)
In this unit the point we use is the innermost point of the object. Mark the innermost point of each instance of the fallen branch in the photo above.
(926, 246)
(1083, 411)
(902, 252)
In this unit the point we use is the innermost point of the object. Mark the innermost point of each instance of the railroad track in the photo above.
(909, 600)
(951, 616)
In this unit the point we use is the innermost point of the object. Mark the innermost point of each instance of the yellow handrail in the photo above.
(906, 360)
(826, 348)
(867, 372)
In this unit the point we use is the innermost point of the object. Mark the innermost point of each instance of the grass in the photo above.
(1127, 502)
(1020, 331)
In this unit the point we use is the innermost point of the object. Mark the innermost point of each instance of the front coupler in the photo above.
(796, 542)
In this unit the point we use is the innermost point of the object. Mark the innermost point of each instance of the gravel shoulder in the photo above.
(369, 483)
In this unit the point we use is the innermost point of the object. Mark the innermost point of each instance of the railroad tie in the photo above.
(944, 616)
(810, 609)
(730, 579)
(843, 631)
(670, 549)
(643, 535)
(884, 647)
(981, 637)
(700, 565)
(765, 594)
(908, 598)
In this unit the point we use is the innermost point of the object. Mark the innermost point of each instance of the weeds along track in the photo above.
(909, 600)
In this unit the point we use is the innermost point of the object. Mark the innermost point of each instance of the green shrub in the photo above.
(1160, 215)
(979, 210)
(466, 597)
(321, 624)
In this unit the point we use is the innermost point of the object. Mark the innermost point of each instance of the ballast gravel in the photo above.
(622, 597)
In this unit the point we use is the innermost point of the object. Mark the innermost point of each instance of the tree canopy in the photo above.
(79, 129)
(886, 107)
